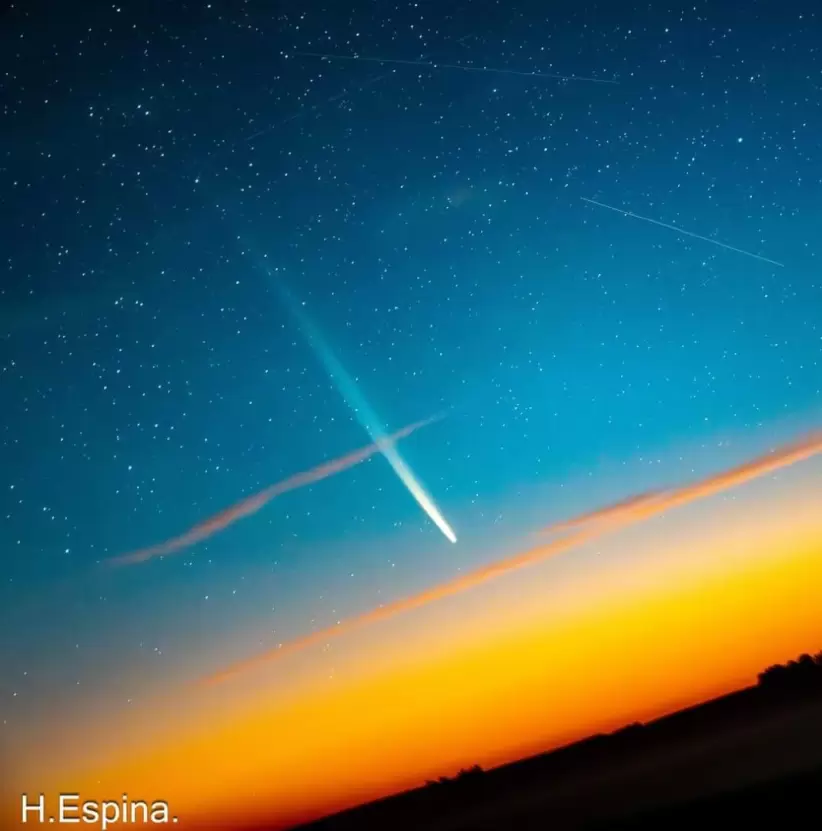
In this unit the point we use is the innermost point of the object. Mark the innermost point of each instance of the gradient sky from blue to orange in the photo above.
(432, 221)
(689, 605)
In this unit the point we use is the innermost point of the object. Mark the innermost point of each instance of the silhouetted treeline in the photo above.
(742, 738)
(464, 777)
(804, 672)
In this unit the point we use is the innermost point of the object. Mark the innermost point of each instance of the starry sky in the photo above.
(167, 169)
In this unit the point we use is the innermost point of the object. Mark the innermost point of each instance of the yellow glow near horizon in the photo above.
(686, 621)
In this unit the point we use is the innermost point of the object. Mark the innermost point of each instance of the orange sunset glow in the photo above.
(682, 608)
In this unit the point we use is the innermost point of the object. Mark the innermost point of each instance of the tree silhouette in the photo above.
(803, 673)
(465, 776)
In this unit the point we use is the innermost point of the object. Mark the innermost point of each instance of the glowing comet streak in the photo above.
(362, 410)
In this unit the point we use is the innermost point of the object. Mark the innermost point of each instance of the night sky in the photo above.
(166, 167)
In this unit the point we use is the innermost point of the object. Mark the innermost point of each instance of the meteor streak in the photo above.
(362, 410)
(438, 65)
(584, 528)
(682, 231)
(252, 504)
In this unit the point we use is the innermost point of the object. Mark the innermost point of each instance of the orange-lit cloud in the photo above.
(459, 584)
(643, 505)
(252, 504)
(615, 510)
(591, 525)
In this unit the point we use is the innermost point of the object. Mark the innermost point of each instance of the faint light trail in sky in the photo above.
(361, 408)
(462, 67)
(683, 231)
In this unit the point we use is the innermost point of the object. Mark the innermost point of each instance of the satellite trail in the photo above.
(361, 408)
(682, 231)
(438, 65)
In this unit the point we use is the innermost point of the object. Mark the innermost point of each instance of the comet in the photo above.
(362, 410)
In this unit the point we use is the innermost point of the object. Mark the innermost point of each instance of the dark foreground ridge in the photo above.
(755, 753)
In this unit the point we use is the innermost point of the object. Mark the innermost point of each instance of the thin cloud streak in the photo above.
(609, 512)
(388, 610)
(252, 504)
(644, 505)
(591, 525)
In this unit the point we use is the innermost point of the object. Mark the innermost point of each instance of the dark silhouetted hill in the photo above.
(734, 758)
